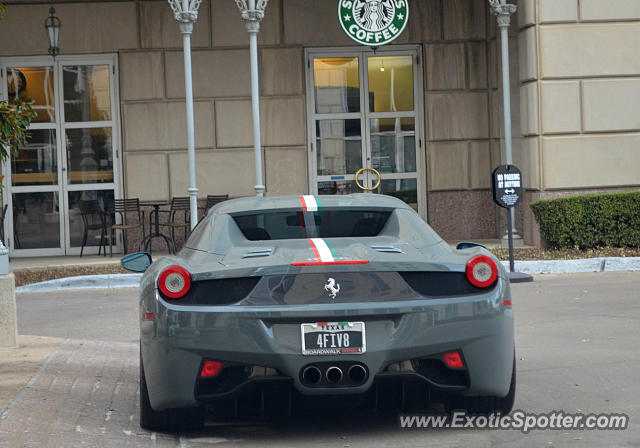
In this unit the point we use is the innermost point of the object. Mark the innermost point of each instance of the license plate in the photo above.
(333, 338)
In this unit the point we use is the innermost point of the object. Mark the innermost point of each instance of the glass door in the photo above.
(87, 127)
(32, 187)
(365, 111)
(68, 157)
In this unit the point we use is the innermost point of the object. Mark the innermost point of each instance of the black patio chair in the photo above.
(212, 200)
(122, 207)
(178, 217)
(93, 218)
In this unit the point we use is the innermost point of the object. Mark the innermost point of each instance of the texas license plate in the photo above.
(333, 338)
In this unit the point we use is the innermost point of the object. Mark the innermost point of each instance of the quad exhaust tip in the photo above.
(334, 374)
(357, 373)
(312, 375)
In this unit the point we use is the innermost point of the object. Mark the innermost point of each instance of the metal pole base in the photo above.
(519, 277)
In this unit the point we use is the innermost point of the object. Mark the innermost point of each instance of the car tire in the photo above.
(486, 405)
(168, 420)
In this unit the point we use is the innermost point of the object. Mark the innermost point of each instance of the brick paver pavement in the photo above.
(84, 395)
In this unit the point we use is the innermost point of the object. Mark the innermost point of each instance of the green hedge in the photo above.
(590, 221)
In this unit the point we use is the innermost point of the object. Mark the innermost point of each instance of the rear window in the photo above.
(280, 225)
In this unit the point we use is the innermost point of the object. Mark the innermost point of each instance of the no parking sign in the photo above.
(507, 186)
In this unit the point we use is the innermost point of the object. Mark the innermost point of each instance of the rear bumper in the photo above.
(175, 343)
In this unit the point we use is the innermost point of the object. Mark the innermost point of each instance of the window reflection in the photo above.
(36, 162)
(89, 155)
(390, 83)
(338, 187)
(393, 145)
(86, 93)
(339, 144)
(337, 85)
(404, 189)
(36, 220)
(37, 84)
(77, 223)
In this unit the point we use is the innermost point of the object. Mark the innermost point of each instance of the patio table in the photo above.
(154, 231)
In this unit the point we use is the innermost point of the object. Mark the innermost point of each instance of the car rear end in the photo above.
(271, 324)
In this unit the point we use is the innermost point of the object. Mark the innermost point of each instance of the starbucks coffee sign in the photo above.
(373, 22)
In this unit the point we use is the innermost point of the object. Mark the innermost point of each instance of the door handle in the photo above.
(362, 170)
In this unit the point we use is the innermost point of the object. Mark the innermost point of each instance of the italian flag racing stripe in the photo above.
(321, 249)
(310, 203)
(315, 251)
(333, 251)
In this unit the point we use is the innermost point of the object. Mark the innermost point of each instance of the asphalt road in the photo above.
(577, 342)
(99, 314)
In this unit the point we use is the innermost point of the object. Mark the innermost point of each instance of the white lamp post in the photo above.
(186, 13)
(252, 12)
(503, 12)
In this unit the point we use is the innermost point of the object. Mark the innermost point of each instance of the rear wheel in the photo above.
(168, 420)
(486, 405)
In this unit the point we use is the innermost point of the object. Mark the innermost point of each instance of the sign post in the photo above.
(506, 181)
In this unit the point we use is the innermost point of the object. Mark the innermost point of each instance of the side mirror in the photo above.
(468, 245)
(137, 262)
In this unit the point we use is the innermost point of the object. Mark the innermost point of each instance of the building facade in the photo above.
(425, 111)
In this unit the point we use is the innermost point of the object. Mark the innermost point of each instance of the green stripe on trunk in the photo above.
(333, 251)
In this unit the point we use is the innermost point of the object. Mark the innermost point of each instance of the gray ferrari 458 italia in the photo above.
(281, 303)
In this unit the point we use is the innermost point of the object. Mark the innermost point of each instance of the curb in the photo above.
(532, 267)
(612, 264)
(85, 282)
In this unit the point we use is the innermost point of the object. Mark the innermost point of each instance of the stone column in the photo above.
(8, 315)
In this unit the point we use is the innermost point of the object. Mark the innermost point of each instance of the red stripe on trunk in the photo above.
(320, 263)
(304, 204)
(315, 249)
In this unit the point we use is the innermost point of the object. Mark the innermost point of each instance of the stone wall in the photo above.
(152, 80)
(463, 104)
(580, 90)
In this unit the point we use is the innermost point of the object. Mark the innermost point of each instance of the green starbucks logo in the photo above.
(373, 22)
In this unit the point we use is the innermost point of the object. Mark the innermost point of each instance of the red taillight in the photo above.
(482, 271)
(174, 282)
(210, 369)
(453, 360)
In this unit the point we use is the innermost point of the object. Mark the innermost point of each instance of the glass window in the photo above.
(91, 223)
(338, 187)
(89, 155)
(339, 146)
(337, 85)
(36, 220)
(390, 83)
(36, 162)
(339, 223)
(403, 189)
(86, 93)
(37, 84)
(393, 145)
